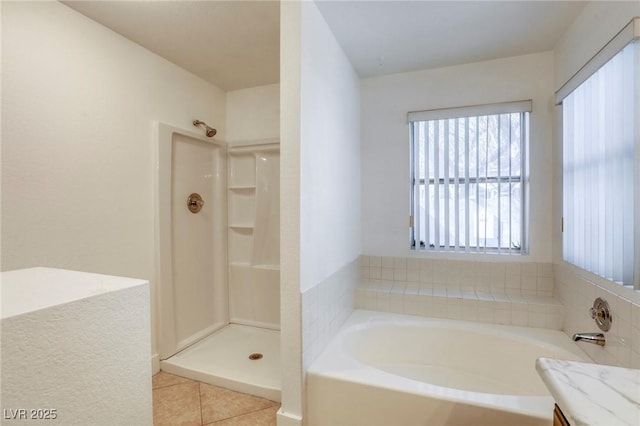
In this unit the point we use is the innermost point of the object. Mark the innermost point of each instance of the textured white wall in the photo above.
(76, 343)
(320, 175)
(329, 153)
(78, 106)
(598, 22)
(253, 114)
(385, 141)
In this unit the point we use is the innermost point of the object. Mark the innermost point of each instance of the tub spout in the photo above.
(595, 338)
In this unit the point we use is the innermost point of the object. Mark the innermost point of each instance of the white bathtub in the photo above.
(390, 369)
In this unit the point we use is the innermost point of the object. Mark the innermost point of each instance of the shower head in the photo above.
(209, 131)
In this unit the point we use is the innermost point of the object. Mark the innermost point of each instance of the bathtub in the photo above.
(390, 369)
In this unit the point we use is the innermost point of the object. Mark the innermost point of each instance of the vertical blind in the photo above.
(600, 136)
(468, 178)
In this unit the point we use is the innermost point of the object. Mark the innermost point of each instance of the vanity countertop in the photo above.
(593, 394)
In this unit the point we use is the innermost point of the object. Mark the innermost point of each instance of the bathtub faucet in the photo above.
(595, 338)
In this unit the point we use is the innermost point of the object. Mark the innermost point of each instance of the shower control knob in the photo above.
(195, 203)
(601, 313)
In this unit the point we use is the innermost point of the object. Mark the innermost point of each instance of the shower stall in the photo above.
(218, 255)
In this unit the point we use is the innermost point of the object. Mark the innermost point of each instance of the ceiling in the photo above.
(386, 37)
(232, 44)
(235, 44)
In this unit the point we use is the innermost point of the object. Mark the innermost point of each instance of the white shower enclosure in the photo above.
(191, 257)
(218, 269)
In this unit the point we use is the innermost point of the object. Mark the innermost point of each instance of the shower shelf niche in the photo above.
(254, 233)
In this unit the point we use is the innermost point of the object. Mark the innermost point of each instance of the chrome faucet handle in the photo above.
(601, 314)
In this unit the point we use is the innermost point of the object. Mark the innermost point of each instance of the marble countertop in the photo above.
(593, 394)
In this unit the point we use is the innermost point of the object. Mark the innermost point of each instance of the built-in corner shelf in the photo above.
(253, 233)
(242, 227)
(259, 267)
(268, 267)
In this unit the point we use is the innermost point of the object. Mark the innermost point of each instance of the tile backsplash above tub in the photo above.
(325, 307)
(511, 278)
(494, 292)
(577, 289)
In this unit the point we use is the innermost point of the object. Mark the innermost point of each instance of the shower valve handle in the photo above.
(601, 313)
(195, 203)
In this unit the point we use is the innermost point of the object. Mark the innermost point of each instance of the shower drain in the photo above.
(255, 356)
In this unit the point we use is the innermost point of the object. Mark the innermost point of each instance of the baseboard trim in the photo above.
(287, 419)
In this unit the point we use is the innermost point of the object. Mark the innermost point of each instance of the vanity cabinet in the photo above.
(558, 418)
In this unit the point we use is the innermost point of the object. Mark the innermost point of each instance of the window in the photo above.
(601, 133)
(468, 168)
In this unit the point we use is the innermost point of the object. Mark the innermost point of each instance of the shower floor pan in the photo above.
(225, 359)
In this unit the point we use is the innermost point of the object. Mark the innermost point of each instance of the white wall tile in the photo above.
(439, 307)
(577, 290)
(425, 275)
(327, 305)
(400, 263)
(520, 318)
(544, 285)
(387, 273)
(425, 305)
(396, 303)
(413, 263)
(399, 274)
(544, 270)
(413, 275)
(512, 282)
(486, 312)
(470, 310)
(634, 359)
(383, 302)
(529, 269)
(364, 272)
(473, 291)
(513, 269)
(502, 316)
(375, 272)
(411, 306)
(537, 319)
(624, 310)
(529, 283)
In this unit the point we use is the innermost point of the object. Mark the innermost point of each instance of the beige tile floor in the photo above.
(180, 401)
